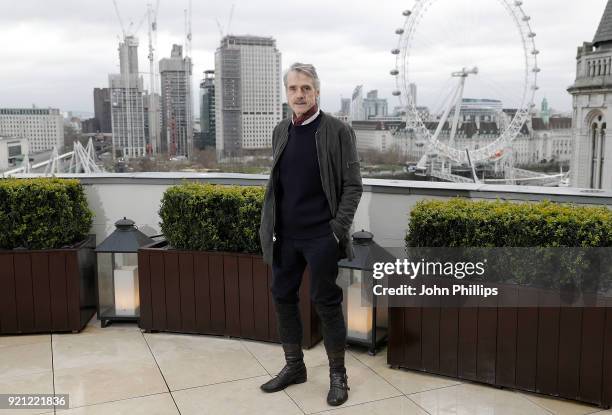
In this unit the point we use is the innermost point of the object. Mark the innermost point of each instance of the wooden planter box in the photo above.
(213, 293)
(563, 352)
(47, 291)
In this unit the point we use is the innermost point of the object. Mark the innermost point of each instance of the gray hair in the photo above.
(305, 68)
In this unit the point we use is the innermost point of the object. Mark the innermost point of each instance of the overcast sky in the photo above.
(53, 53)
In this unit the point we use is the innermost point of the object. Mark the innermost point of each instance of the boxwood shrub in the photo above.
(468, 223)
(544, 244)
(209, 217)
(42, 213)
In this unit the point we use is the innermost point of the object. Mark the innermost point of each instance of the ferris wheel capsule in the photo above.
(394, 72)
(396, 93)
(395, 51)
(526, 18)
(406, 13)
(518, 3)
(531, 35)
(399, 31)
(535, 52)
(536, 70)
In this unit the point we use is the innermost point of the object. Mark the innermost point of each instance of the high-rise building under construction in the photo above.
(176, 103)
(127, 107)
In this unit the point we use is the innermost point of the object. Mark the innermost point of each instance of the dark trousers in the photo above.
(290, 259)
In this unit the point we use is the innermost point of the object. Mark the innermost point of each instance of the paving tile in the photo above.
(84, 349)
(192, 360)
(25, 359)
(23, 339)
(35, 383)
(469, 399)
(561, 406)
(161, 404)
(271, 355)
(407, 381)
(365, 386)
(240, 397)
(92, 384)
(400, 405)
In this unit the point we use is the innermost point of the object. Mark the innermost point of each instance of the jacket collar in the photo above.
(284, 134)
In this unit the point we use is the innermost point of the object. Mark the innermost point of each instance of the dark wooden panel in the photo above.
(217, 293)
(23, 290)
(467, 364)
(593, 330)
(158, 292)
(202, 292)
(527, 339)
(487, 339)
(232, 295)
(430, 335)
(570, 329)
(144, 290)
(449, 331)
(273, 330)
(41, 291)
(260, 299)
(395, 348)
(59, 300)
(8, 304)
(548, 346)
(246, 286)
(73, 290)
(173, 291)
(507, 337)
(187, 285)
(412, 338)
(606, 400)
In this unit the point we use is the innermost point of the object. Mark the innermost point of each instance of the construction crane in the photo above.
(229, 22)
(154, 133)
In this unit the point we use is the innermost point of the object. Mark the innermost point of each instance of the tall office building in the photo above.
(373, 106)
(591, 163)
(357, 109)
(345, 106)
(102, 109)
(176, 106)
(127, 106)
(248, 89)
(42, 128)
(207, 110)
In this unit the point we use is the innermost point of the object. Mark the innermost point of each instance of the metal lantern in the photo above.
(364, 314)
(117, 283)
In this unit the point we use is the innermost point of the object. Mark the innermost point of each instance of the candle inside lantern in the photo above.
(359, 316)
(127, 301)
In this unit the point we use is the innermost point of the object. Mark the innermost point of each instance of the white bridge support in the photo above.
(79, 160)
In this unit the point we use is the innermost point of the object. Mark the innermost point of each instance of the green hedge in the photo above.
(208, 217)
(42, 213)
(543, 244)
(468, 223)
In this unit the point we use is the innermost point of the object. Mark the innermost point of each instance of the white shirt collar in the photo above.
(311, 119)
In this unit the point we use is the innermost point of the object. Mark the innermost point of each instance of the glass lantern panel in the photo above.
(106, 296)
(125, 276)
(357, 306)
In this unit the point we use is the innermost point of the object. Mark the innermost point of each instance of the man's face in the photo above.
(301, 93)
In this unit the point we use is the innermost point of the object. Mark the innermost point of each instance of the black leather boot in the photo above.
(338, 381)
(294, 371)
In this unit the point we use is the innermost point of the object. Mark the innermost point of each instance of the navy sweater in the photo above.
(303, 208)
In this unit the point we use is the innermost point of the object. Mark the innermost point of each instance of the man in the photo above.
(310, 201)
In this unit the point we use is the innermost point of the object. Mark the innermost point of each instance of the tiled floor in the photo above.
(121, 371)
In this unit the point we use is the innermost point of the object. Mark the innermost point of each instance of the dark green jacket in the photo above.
(340, 177)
